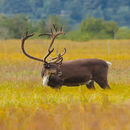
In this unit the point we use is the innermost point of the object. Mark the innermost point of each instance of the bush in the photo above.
(98, 28)
(123, 33)
(13, 27)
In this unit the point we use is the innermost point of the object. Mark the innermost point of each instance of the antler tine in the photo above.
(60, 54)
(55, 28)
(49, 34)
(60, 61)
(63, 52)
(53, 36)
(49, 52)
(59, 57)
(24, 37)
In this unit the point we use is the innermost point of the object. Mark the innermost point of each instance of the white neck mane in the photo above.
(45, 80)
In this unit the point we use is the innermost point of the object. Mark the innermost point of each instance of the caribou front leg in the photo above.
(90, 84)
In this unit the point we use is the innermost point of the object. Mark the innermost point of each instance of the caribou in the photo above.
(56, 72)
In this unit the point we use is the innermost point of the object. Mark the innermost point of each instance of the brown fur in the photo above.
(78, 72)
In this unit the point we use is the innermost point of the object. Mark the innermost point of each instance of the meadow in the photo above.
(26, 105)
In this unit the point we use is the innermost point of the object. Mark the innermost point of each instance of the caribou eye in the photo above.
(47, 66)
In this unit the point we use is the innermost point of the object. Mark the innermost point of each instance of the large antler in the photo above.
(53, 35)
(59, 55)
(24, 37)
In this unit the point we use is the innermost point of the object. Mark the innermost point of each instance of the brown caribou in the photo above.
(56, 73)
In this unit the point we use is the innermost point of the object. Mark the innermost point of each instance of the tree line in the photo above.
(89, 28)
(75, 10)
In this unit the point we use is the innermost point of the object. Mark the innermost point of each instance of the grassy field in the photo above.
(26, 105)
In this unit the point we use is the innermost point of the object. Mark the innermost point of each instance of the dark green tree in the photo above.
(15, 26)
(99, 27)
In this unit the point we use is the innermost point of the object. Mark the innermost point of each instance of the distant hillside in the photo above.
(75, 10)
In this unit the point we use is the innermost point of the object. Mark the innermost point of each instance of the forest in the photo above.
(81, 20)
(89, 29)
(74, 10)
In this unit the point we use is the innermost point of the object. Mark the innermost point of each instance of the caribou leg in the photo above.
(102, 82)
(90, 85)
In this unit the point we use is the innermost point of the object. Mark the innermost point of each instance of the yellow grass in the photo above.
(26, 105)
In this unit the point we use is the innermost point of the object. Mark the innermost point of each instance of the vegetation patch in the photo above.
(26, 104)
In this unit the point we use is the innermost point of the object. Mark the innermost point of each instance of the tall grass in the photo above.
(26, 104)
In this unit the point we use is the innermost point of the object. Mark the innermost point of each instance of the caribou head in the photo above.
(51, 66)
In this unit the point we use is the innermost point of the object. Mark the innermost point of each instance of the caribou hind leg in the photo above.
(90, 85)
(101, 78)
(103, 83)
